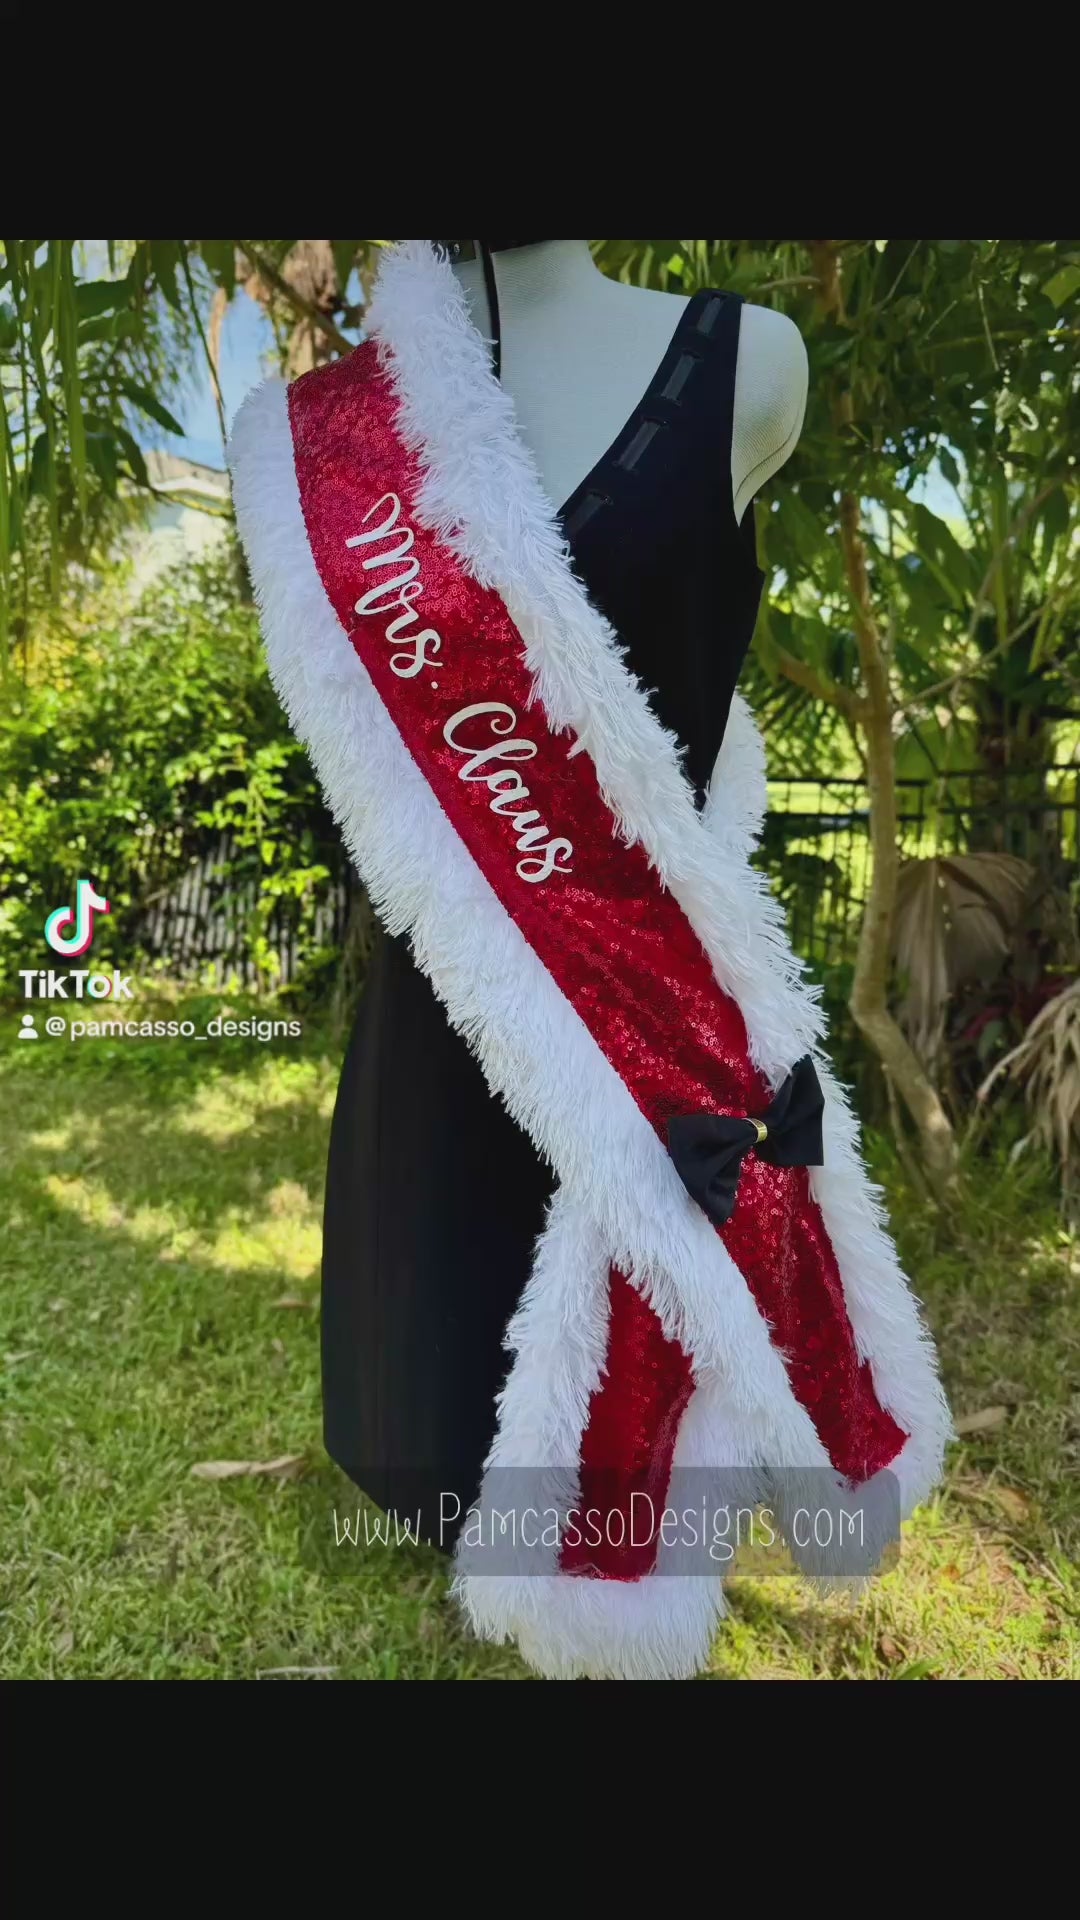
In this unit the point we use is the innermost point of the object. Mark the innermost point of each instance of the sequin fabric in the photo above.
(617, 944)
(628, 1443)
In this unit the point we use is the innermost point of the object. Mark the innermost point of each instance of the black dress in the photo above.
(434, 1197)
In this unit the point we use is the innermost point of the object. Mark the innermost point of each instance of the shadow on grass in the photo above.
(163, 1198)
(173, 1124)
(161, 1210)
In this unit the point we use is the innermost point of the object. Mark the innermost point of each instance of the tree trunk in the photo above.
(1013, 748)
(309, 273)
(869, 991)
(873, 712)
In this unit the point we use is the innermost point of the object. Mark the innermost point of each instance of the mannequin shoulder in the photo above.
(771, 380)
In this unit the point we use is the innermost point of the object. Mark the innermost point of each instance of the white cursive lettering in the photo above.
(544, 854)
(400, 592)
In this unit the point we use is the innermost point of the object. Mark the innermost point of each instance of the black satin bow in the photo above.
(708, 1148)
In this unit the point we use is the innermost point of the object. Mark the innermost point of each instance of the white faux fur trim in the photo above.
(620, 1200)
(481, 492)
(652, 1629)
(738, 796)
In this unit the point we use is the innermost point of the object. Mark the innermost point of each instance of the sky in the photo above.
(247, 356)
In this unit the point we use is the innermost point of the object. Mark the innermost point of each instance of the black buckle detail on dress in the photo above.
(709, 315)
(585, 511)
(679, 375)
(642, 439)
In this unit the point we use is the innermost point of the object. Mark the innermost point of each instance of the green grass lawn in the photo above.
(159, 1310)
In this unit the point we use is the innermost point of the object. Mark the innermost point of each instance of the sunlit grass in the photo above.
(160, 1309)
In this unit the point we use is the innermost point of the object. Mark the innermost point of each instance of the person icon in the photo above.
(28, 1031)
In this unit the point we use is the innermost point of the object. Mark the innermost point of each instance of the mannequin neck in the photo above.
(579, 350)
(549, 273)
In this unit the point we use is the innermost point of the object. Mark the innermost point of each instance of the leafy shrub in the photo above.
(135, 745)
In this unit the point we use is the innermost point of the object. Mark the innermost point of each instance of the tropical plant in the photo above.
(947, 357)
(955, 918)
(1046, 1066)
(138, 744)
(95, 341)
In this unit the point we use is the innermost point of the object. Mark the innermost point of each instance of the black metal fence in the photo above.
(816, 840)
(214, 919)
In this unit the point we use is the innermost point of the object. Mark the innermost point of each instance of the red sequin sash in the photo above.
(446, 659)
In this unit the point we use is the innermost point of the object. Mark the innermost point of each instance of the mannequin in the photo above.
(412, 1339)
(595, 1210)
(579, 349)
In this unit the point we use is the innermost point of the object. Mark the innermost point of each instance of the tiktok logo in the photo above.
(70, 931)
